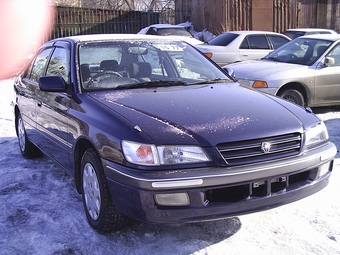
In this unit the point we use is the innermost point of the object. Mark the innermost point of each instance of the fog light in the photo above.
(324, 169)
(174, 199)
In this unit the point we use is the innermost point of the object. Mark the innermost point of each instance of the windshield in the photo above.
(303, 51)
(133, 64)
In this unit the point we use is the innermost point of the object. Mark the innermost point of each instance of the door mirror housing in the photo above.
(52, 84)
(329, 61)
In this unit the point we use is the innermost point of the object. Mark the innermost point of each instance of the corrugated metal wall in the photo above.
(274, 15)
(319, 13)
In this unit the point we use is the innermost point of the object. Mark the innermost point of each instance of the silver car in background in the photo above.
(305, 71)
(297, 32)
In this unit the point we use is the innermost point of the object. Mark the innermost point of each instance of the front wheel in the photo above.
(99, 208)
(293, 96)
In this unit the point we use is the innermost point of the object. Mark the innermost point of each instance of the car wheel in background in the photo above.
(27, 148)
(99, 208)
(293, 96)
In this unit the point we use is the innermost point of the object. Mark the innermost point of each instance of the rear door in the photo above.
(28, 88)
(254, 47)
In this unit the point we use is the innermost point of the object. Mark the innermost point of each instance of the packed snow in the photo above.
(42, 213)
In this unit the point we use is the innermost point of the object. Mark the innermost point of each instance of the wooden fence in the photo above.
(76, 21)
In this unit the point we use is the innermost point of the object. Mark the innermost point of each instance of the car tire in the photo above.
(99, 208)
(293, 96)
(27, 148)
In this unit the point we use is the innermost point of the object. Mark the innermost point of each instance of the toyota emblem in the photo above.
(265, 147)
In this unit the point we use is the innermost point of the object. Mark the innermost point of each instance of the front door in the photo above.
(52, 111)
(327, 81)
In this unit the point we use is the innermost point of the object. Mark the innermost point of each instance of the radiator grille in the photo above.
(259, 150)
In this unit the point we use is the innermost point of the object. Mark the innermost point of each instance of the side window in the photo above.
(37, 68)
(151, 31)
(59, 64)
(335, 53)
(277, 41)
(244, 45)
(258, 42)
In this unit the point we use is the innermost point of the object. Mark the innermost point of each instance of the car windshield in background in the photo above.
(223, 40)
(119, 64)
(174, 31)
(294, 34)
(303, 51)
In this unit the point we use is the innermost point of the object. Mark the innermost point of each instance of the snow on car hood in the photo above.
(261, 69)
(209, 114)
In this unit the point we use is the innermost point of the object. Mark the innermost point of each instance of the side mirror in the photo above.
(52, 84)
(230, 72)
(329, 61)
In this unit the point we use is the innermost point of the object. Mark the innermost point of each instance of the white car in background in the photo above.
(236, 46)
(178, 31)
(297, 32)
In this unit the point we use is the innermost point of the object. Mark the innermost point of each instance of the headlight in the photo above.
(316, 134)
(149, 154)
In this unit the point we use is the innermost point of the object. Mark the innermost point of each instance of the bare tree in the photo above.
(156, 4)
(128, 5)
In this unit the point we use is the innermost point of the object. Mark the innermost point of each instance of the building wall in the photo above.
(272, 15)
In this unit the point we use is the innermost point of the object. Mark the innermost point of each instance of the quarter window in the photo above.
(257, 42)
(37, 68)
(277, 41)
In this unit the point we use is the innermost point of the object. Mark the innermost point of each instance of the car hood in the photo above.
(259, 69)
(205, 114)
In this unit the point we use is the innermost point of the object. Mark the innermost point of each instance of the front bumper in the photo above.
(220, 192)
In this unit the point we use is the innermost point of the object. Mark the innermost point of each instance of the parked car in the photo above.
(235, 46)
(297, 32)
(178, 31)
(151, 129)
(304, 71)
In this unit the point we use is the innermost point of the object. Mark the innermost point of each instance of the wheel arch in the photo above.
(297, 86)
(81, 146)
(16, 114)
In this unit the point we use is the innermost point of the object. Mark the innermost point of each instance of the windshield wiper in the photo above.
(217, 80)
(273, 59)
(150, 84)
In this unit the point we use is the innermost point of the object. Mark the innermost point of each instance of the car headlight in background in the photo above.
(260, 84)
(208, 54)
(316, 134)
(149, 154)
(251, 83)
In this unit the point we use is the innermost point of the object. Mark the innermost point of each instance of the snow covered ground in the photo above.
(41, 213)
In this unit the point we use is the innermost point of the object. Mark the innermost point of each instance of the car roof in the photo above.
(242, 32)
(331, 37)
(165, 25)
(310, 29)
(108, 37)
